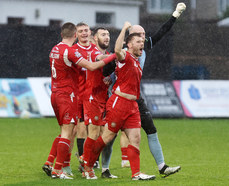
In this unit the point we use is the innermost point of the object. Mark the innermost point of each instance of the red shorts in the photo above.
(122, 113)
(94, 112)
(64, 107)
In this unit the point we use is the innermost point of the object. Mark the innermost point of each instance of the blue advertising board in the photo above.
(17, 99)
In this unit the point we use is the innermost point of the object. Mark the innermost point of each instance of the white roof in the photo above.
(120, 2)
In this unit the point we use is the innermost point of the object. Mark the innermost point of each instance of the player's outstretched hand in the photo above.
(179, 9)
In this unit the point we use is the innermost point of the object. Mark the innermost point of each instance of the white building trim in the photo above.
(40, 12)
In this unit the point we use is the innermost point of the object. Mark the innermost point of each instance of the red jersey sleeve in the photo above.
(73, 55)
(95, 54)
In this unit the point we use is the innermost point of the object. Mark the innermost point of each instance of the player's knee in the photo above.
(108, 136)
(136, 142)
(93, 135)
(151, 130)
(81, 133)
(147, 124)
(94, 131)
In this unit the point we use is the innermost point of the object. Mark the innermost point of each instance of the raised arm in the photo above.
(119, 42)
(152, 40)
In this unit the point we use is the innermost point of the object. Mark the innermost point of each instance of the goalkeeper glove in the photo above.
(179, 9)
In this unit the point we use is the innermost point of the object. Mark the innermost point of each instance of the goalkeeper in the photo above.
(146, 117)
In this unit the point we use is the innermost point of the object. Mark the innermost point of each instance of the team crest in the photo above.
(98, 52)
(77, 54)
(86, 117)
(113, 124)
(66, 116)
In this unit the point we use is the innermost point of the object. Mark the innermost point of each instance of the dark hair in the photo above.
(68, 30)
(95, 31)
(130, 37)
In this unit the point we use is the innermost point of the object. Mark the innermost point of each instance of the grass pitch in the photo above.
(201, 147)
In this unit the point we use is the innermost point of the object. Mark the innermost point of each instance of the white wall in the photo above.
(66, 11)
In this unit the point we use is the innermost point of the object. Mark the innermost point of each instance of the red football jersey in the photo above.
(95, 87)
(129, 75)
(62, 58)
(85, 52)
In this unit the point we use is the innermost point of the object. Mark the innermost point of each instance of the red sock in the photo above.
(62, 152)
(124, 153)
(134, 157)
(67, 160)
(53, 151)
(97, 149)
(88, 145)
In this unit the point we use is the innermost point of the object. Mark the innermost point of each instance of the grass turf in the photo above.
(200, 146)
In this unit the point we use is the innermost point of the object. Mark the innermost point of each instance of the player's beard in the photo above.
(136, 53)
(102, 45)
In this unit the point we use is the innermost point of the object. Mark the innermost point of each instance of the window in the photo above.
(160, 6)
(15, 20)
(222, 6)
(104, 18)
(193, 4)
(55, 23)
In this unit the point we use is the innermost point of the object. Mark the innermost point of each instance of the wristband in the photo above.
(107, 60)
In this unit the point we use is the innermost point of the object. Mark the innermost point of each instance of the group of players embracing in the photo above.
(81, 74)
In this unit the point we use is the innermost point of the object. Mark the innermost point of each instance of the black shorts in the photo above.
(146, 117)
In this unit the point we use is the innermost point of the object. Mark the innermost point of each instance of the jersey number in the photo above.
(53, 69)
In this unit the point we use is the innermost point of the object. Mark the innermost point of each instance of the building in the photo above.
(196, 42)
(196, 47)
(111, 13)
(197, 9)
